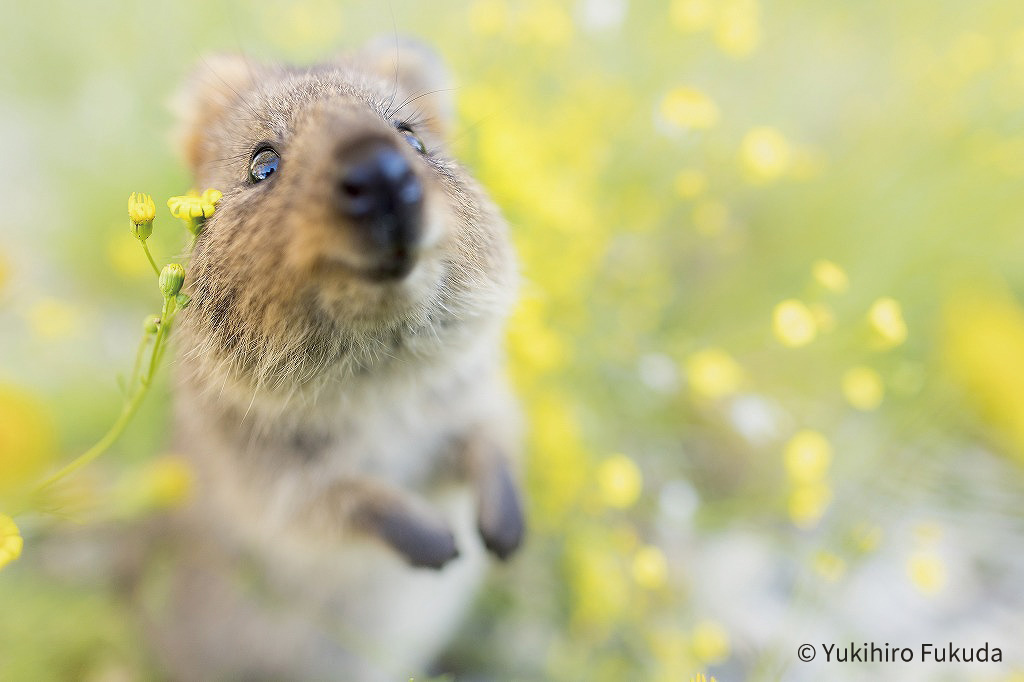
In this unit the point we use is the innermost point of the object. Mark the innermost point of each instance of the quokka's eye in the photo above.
(412, 138)
(264, 164)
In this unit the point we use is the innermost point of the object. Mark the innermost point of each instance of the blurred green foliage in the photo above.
(771, 318)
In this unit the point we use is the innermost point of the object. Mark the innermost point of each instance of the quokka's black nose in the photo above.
(378, 191)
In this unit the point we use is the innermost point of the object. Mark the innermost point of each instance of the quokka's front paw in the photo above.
(500, 512)
(422, 539)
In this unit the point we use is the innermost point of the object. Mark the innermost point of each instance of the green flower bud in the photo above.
(171, 279)
(151, 324)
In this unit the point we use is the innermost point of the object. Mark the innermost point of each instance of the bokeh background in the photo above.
(771, 341)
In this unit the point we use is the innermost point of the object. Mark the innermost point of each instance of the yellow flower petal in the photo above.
(863, 388)
(713, 373)
(650, 569)
(793, 323)
(691, 15)
(808, 502)
(886, 319)
(620, 481)
(807, 456)
(927, 572)
(765, 154)
(831, 276)
(688, 108)
(710, 642)
(11, 541)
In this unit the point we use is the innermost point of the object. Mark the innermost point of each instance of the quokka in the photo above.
(338, 379)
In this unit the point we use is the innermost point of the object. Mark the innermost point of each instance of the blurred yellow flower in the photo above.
(688, 108)
(793, 323)
(27, 443)
(927, 572)
(162, 483)
(765, 154)
(738, 29)
(983, 349)
(886, 319)
(808, 502)
(5, 271)
(546, 22)
(829, 275)
(713, 373)
(488, 17)
(691, 15)
(829, 566)
(619, 481)
(650, 569)
(50, 318)
(863, 388)
(11, 541)
(594, 572)
(701, 678)
(710, 642)
(690, 183)
(807, 456)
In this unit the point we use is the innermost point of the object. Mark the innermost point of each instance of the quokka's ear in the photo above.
(424, 85)
(215, 84)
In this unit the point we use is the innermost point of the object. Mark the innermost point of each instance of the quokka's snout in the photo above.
(378, 194)
(360, 189)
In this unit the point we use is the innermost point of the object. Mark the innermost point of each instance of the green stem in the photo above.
(101, 446)
(138, 362)
(104, 443)
(152, 262)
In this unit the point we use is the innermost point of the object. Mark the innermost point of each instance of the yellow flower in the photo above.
(808, 502)
(10, 540)
(831, 276)
(886, 319)
(689, 108)
(807, 456)
(927, 572)
(620, 481)
(793, 323)
(765, 154)
(863, 388)
(738, 30)
(710, 642)
(691, 15)
(650, 569)
(713, 373)
(701, 678)
(141, 212)
(27, 444)
(50, 318)
(193, 209)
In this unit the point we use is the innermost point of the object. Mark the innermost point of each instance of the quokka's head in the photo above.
(346, 231)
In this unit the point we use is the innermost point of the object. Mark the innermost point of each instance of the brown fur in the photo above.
(336, 422)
